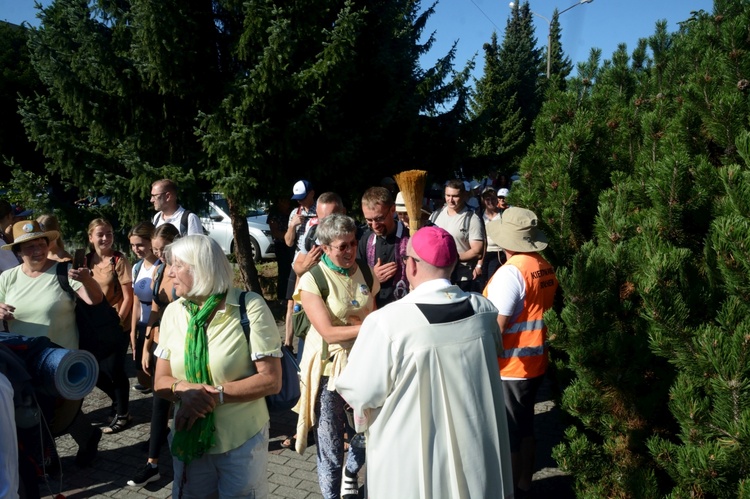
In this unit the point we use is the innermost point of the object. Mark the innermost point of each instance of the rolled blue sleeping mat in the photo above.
(55, 371)
(70, 374)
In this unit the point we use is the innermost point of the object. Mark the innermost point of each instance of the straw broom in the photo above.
(412, 183)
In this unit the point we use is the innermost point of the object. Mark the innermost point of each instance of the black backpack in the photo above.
(290, 389)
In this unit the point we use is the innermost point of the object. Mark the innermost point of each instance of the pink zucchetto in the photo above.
(435, 246)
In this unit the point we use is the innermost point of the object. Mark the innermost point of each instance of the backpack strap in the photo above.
(184, 222)
(244, 321)
(436, 214)
(322, 284)
(366, 273)
(62, 278)
(158, 278)
(320, 281)
(136, 269)
(311, 237)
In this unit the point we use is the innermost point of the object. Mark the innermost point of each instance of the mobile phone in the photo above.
(79, 258)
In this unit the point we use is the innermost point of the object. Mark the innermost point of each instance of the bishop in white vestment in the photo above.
(424, 384)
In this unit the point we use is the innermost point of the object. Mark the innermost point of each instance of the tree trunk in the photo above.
(243, 247)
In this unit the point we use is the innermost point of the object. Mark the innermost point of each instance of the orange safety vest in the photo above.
(525, 340)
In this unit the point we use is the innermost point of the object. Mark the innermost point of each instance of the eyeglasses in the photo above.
(376, 220)
(344, 247)
(406, 257)
(156, 194)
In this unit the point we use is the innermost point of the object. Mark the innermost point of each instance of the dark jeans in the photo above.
(284, 261)
(520, 396)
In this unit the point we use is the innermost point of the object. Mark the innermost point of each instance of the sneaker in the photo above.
(118, 424)
(145, 475)
(141, 389)
(87, 453)
(349, 485)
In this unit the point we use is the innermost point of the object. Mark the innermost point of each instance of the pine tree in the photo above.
(560, 64)
(708, 342)
(507, 97)
(497, 126)
(653, 334)
(240, 97)
(17, 77)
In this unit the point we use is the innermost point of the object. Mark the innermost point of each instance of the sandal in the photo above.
(289, 443)
(349, 485)
(118, 424)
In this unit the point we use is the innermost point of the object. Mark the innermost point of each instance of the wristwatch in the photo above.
(221, 394)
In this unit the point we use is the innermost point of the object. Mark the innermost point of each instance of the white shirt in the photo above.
(194, 223)
(507, 291)
(143, 290)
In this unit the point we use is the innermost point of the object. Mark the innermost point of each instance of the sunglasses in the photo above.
(344, 247)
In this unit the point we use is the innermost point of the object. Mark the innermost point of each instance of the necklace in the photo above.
(350, 288)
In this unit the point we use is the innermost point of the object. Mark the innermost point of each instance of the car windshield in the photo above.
(224, 206)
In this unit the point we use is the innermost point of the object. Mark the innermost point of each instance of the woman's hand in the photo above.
(81, 275)
(196, 401)
(6, 312)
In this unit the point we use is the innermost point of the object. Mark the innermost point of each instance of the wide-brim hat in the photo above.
(28, 230)
(517, 230)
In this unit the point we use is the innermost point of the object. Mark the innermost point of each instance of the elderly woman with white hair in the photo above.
(216, 375)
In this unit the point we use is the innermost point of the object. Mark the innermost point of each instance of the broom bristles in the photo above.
(412, 184)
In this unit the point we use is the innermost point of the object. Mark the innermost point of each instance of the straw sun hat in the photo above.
(28, 230)
(517, 230)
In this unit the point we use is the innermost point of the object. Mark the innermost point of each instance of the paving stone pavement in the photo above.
(290, 475)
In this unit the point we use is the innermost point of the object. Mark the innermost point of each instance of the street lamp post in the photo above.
(549, 31)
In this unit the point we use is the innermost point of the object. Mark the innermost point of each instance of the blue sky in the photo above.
(601, 23)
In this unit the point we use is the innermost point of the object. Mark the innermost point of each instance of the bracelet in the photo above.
(479, 265)
(174, 385)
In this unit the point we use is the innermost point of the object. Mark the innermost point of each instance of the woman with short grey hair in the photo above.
(217, 376)
(335, 227)
(335, 318)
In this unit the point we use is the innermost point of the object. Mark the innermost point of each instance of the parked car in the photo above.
(218, 226)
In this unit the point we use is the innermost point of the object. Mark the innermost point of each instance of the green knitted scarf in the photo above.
(193, 443)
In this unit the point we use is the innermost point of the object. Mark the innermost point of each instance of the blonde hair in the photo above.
(50, 222)
(144, 230)
(96, 223)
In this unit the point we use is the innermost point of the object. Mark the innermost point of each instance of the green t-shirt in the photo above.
(43, 307)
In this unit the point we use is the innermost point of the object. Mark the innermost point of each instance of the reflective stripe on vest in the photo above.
(519, 327)
(524, 352)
